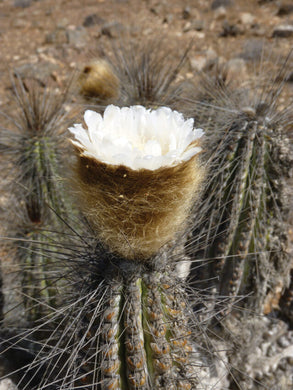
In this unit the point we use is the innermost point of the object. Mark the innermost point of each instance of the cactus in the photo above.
(129, 318)
(127, 329)
(134, 73)
(34, 150)
(245, 205)
(243, 263)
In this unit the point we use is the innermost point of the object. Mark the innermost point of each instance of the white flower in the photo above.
(137, 137)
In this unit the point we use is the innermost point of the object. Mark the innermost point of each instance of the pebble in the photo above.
(92, 20)
(236, 70)
(201, 61)
(186, 13)
(246, 18)
(221, 3)
(168, 18)
(220, 13)
(40, 71)
(285, 9)
(283, 31)
(19, 23)
(77, 36)
(113, 29)
(197, 25)
(157, 9)
(230, 30)
(59, 36)
(253, 49)
(22, 3)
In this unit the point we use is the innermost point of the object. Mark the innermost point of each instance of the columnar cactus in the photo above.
(130, 319)
(32, 153)
(243, 220)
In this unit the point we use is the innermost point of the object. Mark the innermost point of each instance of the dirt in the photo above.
(48, 39)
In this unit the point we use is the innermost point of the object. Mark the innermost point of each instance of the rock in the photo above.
(22, 3)
(59, 36)
(113, 29)
(230, 30)
(186, 13)
(221, 3)
(257, 30)
(285, 9)
(202, 61)
(283, 31)
(168, 18)
(198, 62)
(92, 20)
(236, 70)
(40, 71)
(220, 13)
(19, 23)
(62, 23)
(253, 49)
(197, 25)
(157, 9)
(77, 36)
(246, 18)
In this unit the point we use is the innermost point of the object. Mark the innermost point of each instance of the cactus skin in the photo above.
(34, 150)
(244, 207)
(132, 330)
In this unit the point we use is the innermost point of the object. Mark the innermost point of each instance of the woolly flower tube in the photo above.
(137, 176)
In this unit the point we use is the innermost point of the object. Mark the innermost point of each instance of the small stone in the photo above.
(236, 70)
(198, 62)
(22, 3)
(195, 25)
(257, 30)
(40, 71)
(283, 31)
(285, 9)
(59, 36)
(168, 18)
(77, 36)
(253, 49)
(220, 13)
(186, 13)
(246, 18)
(113, 29)
(62, 23)
(157, 9)
(203, 60)
(92, 20)
(230, 30)
(19, 23)
(221, 3)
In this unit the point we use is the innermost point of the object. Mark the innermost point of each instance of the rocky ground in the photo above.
(48, 41)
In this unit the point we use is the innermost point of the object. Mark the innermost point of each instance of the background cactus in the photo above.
(32, 151)
(246, 201)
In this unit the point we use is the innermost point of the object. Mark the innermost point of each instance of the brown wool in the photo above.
(136, 212)
(99, 80)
